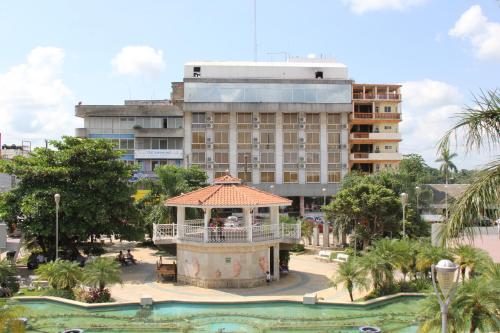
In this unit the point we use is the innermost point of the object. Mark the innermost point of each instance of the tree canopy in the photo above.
(96, 197)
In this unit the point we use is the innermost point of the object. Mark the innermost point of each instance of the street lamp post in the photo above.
(404, 198)
(324, 196)
(445, 271)
(57, 199)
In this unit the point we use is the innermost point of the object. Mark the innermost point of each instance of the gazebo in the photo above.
(232, 251)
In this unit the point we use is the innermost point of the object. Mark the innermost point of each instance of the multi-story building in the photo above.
(293, 128)
(150, 132)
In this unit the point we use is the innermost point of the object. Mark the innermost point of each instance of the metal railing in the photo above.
(200, 234)
(376, 115)
(389, 96)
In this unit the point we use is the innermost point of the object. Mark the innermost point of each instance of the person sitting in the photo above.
(130, 258)
(283, 268)
(121, 258)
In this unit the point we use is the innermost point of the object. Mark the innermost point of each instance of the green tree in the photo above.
(429, 255)
(351, 275)
(480, 126)
(101, 271)
(61, 274)
(469, 258)
(96, 197)
(8, 315)
(381, 261)
(8, 282)
(447, 164)
(372, 207)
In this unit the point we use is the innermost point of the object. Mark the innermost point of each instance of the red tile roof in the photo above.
(228, 192)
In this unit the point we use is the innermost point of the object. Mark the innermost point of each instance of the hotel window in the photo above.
(221, 118)
(172, 122)
(289, 157)
(221, 137)
(312, 140)
(290, 177)
(244, 118)
(312, 158)
(127, 122)
(242, 160)
(387, 127)
(312, 118)
(199, 118)
(334, 176)
(387, 109)
(267, 140)
(290, 139)
(267, 158)
(198, 140)
(334, 157)
(244, 138)
(267, 118)
(221, 158)
(219, 174)
(333, 138)
(245, 176)
(290, 118)
(198, 158)
(333, 118)
(266, 177)
(312, 177)
(388, 147)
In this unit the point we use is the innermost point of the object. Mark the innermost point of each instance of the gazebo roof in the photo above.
(228, 192)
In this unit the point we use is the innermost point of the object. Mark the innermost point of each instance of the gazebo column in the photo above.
(181, 217)
(275, 218)
(206, 220)
(247, 220)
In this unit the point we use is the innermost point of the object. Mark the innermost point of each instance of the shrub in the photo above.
(297, 248)
(63, 293)
(418, 285)
(93, 295)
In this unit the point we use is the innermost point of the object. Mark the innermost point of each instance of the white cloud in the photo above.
(138, 60)
(483, 34)
(362, 6)
(34, 102)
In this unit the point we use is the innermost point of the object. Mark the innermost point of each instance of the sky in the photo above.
(54, 54)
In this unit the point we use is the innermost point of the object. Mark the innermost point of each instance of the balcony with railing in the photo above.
(377, 96)
(375, 136)
(376, 156)
(376, 115)
(192, 232)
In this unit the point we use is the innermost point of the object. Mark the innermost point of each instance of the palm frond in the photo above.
(480, 124)
(480, 195)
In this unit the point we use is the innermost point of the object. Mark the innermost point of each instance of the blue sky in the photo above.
(56, 53)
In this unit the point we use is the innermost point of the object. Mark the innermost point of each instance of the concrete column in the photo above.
(315, 236)
(275, 215)
(302, 208)
(181, 217)
(188, 139)
(206, 220)
(326, 235)
(247, 220)
(233, 142)
(279, 149)
(276, 262)
(255, 151)
(344, 144)
(323, 146)
(302, 153)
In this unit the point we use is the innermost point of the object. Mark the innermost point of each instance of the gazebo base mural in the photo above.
(221, 255)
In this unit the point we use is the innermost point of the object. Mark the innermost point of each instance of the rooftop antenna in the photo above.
(255, 30)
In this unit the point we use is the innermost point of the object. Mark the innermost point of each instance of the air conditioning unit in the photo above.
(256, 166)
(210, 166)
(209, 146)
(302, 120)
(256, 159)
(209, 159)
(302, 159)
(302, 165)
(209, 125)
(256, 146)
(344, 166)
(302, 126)
(343, 146)
(256, 140)
(210, 119)
(302, 140)
(344, 126)
(256, 126)
(302, 146)
(255, 119)
(209, 140)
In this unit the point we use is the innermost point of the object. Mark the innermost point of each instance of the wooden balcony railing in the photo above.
(376, 115)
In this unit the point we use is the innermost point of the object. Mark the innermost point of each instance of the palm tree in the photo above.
(447, 165)
(351, 275)
(102, 271)
(429, 255)
(468, 257)
(61, 274)
(381, 262)
(480, 126)
(478, 301)
(430, 312)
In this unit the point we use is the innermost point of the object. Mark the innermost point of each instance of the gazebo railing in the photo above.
(253, 234)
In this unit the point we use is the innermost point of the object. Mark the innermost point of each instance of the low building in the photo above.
(442, 197)
(232, 246)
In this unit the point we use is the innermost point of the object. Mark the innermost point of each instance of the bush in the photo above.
(63, 293)
(297, 248)
(93, 249)
(93, 295)
(418, 285)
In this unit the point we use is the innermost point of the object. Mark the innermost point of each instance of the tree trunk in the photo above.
(350, 295)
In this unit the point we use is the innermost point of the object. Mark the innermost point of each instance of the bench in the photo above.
(341, 257)
(324, 255)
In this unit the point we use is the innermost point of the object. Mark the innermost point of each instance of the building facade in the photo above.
(292, 128)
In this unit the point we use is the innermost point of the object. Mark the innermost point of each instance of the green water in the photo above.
(395, 316)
